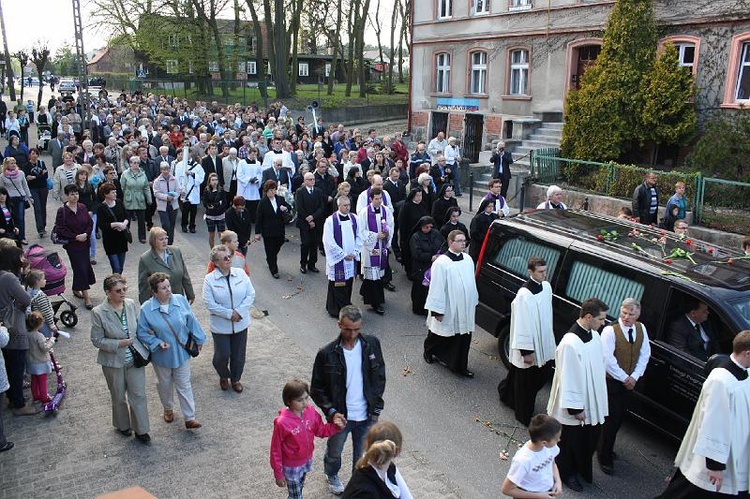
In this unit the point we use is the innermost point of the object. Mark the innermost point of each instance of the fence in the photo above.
(723, 204)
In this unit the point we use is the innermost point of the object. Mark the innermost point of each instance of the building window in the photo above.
(445, 9)
(519, 72)
(328, 69)
(174, 41)
(443, 73)
(172, 66)
(241, 67)
(478, 83)
(304, 69)
(213, 67)
(481, 7)
(252, 68)
(742, 92)
(190, 67)
(519, 5)
(686, 55)
(251, 44)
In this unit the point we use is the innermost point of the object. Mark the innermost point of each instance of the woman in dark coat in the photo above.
(74, 224)
(444, 201)
(428, 191)
(410, 213)
(424, 245)
(480, 224)
(453, 223)
(269, 224)
(238, 219)
(113, 221)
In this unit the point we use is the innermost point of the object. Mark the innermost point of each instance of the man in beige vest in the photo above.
(626, 352)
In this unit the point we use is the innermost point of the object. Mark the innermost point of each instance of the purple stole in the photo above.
(380, 259)
(495, 199)
(338, 269)
(385, 200)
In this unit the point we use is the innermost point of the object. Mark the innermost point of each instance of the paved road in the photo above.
(453, 427)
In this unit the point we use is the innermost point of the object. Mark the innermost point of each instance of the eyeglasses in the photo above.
(123, 289)
(226, 258)
(460, 241)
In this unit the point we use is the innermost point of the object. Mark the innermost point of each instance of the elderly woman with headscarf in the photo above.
(424, 246)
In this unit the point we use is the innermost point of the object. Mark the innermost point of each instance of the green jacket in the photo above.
(135, 189)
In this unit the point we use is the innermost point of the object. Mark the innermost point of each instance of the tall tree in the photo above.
(40, 58)
(8, 65)
(22, 56)
(119, 18)
(206, 11)
(603, 117)
(260, 66)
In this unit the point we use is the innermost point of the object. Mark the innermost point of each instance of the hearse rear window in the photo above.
(516, 252)
(587, 281)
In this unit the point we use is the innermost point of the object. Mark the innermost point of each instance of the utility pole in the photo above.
(8, 66)
(83, 81)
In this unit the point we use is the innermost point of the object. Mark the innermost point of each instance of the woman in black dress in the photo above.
(408, 217)
(424, 247)
(113, 221)
(453, 223)
(428, 192)
(269, 224)
(480, 224)
(444, 201)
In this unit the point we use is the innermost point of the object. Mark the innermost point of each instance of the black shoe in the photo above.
(607, 469)
(184, 229)
(466, 373)
(126, 433)
(303, 270)
(192, 230)
(379, 310)
(573, 484)
(458, 195)
(389, 286)
(428, 358)
(275, 275)
(322, 253)
(313, 269)
(144, 439)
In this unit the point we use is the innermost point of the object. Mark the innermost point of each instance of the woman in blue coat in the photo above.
(163, 326)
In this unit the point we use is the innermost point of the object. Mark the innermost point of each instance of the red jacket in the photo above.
(292, 443)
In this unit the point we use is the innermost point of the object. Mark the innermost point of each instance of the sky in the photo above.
(27, 21)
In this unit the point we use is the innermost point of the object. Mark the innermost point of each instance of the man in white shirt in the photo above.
(364, 197)
(626, 353)
(436, 146)
(452, 164)
(277, 151)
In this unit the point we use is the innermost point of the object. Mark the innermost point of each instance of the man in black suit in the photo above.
(211, 163)
(501, 161)
(277, 173)
(396, 188)
(646, 200)
(165, 157)
(311, 213)
(690, 333)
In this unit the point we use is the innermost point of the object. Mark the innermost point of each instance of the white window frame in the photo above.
(743, 69)
(328, 69)
(519, 73)
(213, 66)
(516, 5)
(443, 73)
(303, 69)
(481, 7)
(445, 9)
(190, 67)
(172, 66)
(681, 49)
(252, 67)
(478, 72)
(174, 40)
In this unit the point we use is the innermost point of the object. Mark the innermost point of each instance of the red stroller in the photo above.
(55, 271)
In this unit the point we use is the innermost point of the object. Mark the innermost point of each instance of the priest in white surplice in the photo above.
(451, 305)
(342, 243)
(249, 175)
(578, 398)
(532, 343)
(714, 458)
(377, 232)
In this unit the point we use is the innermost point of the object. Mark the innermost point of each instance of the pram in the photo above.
(43, 136)
(51, 407)
(55, 271)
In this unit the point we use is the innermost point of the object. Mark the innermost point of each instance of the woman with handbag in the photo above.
(137, 194)
(122, 357)
(114, 224)
(14, 180)
(39, 182)
(171, 332)
(13, 302)
(270, 224)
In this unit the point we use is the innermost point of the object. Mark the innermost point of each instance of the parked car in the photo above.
(590, 255)
(66, 85)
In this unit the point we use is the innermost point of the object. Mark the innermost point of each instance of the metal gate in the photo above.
(473, 138)
(439, 124)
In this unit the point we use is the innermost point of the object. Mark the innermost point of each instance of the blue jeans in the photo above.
(456, 170)
(117, 262)
(332, 459)
(18, 209)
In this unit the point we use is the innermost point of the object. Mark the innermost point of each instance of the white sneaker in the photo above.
(335, 485)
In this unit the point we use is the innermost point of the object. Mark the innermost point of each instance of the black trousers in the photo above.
(310, 239)
(15, 365)
(338, 296)
(273, 245)
(229, 354)
(452, 351)
(168, 220)
(140, 216)
(681, 488)
(618, 397)
(518, 390)
(577, 445)
(189, 211)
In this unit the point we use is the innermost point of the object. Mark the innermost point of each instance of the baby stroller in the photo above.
(51, 407)
(55, 271)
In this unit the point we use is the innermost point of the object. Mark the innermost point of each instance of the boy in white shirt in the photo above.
(533, 472)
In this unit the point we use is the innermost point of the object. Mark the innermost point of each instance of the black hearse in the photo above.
(590, 255)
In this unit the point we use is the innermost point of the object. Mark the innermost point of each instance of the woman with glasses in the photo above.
(113, 331)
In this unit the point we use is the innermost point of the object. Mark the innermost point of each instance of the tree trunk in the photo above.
(360, 30)
(282, 51)
(334, 59)
(8, 66)
(391, 57)
(350, 37)
(294, 27)
(260, 67)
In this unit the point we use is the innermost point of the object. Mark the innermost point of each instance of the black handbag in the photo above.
(54, 236)
(128, 234)
(191, 346)
(26, 202)
(138, 359)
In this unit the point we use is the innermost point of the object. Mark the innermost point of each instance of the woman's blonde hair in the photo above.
(155, 233)
(378, 454)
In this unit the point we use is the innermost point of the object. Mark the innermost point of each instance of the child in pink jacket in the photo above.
(294, 432)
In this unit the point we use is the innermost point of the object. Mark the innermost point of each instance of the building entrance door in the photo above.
(439, 124)
(473, 137)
